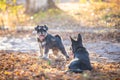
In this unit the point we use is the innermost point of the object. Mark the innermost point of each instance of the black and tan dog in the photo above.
(47, 41)
(81, 59)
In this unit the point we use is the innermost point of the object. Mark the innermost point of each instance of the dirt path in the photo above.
(100, 50)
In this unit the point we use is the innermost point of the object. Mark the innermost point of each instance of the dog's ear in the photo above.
(46, 28)
(72, 40)
(80, 39)
(36, 27)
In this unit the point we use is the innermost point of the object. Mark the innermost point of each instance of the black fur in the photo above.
(81, 59)
(50, 42)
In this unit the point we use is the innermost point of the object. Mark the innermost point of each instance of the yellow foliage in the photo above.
(99, 14)
(3, 5)
(7, 73)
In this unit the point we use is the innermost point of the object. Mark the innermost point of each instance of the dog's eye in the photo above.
(44, 30)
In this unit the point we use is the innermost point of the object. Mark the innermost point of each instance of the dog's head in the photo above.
(41, 31)
(76, 43)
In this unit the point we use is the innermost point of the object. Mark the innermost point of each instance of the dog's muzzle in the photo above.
(41, 37)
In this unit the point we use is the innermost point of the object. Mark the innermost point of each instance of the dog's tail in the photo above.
(57, 36)
(75, 70)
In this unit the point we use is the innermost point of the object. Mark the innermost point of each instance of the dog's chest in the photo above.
(43, 43)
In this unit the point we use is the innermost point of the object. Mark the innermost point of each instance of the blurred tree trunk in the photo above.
(33, 6)
(1, 22)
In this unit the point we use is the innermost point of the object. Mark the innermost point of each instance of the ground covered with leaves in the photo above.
(24, 66)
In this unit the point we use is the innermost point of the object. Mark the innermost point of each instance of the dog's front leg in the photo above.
(40, 47)
(46, 56)
(41, 50)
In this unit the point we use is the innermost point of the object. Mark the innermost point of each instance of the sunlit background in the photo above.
(90, 13)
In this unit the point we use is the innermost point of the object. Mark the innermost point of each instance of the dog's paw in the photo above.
(40, 56)
(45, 58)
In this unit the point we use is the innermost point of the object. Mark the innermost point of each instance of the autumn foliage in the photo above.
(24, 66)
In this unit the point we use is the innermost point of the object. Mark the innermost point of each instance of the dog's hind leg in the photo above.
(75, 66)
(55, 52)
(63, 51)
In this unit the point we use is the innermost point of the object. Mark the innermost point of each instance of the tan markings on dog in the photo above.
(55, 51)
(41, 50)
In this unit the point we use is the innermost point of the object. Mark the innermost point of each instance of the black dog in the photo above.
(47, 41)
(81, 59)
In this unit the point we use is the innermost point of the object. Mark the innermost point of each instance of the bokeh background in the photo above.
(90, 13)
(98, 21)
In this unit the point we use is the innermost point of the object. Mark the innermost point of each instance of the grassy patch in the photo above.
(47, 14)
